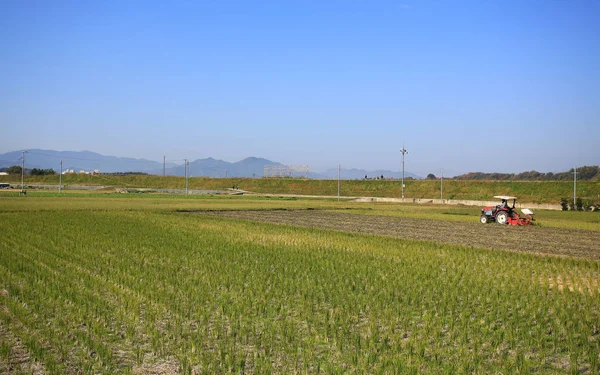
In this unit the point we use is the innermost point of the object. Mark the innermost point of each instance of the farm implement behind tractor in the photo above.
(504, 214)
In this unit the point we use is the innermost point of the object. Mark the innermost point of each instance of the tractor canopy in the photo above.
(505, 197)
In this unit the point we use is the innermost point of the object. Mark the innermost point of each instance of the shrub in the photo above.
(564, 205)
(579, 204)
(42, 172)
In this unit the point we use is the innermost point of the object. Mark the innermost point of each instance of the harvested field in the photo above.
(554, 241)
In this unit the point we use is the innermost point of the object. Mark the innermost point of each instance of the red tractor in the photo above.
(504, 214)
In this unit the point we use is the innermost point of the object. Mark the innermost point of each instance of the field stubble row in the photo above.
(554, 241)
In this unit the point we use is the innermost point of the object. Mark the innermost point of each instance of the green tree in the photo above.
(15, 169)
(42, 172)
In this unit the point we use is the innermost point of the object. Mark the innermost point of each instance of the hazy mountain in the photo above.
(209, 167)
(249, 167)
(79, 160)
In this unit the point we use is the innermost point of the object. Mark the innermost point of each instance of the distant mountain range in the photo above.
(249, 167)
(88, 161)
(79, 160)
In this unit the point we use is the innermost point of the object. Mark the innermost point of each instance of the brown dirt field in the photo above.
(552, 241)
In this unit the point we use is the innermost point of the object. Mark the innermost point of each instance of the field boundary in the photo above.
(451, 202)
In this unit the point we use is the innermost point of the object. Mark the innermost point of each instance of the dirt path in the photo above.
(566, 242)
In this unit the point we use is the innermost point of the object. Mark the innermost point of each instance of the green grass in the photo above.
(527, 191)
(113, 285)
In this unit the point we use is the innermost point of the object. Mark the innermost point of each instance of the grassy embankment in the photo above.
(128, 285)
(527, 191)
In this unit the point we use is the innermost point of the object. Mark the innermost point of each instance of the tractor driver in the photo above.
(504, 204)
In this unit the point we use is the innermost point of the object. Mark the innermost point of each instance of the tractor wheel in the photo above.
(502, 217)
(484, 219)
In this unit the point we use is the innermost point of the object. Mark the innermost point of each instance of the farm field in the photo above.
(84, 200)
(101, 284)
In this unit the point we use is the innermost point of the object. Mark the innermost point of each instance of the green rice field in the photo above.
(108, 284)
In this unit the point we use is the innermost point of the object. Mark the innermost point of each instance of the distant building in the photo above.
(94, 172)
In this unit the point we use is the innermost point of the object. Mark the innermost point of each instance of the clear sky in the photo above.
(504, 86)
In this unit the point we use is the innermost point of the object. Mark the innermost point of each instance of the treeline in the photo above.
(42, 172)
(16, 169)
(587, 173)
(579, 204)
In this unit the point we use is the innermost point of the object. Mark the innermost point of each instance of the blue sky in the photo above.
(502, 86)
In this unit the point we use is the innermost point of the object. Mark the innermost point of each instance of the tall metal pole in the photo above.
(186, 177)
(339, 169)
(164, 163)
(403, 151)
(442, 186)
(575, 188)
(22, 169)
(60, 183)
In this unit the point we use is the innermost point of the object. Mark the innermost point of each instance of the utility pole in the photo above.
(442, 187)
(225, 173)
(23, 171)
(403, 151)
(164, 164)
(575, 188)
(186, 177)
(60, 183)
(339, 172)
